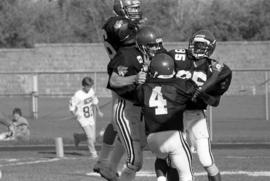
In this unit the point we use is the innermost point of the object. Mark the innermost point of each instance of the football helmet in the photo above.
(149, 41)
(125, 30)
(202, 44)
(162, 66)
(130, 9)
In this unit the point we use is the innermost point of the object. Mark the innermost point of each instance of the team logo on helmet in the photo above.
(118, 24)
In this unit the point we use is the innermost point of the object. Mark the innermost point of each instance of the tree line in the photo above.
(25, 23)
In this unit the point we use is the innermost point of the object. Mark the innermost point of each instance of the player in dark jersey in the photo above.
(125, 70)
(116, 32)
(163, 99)
(211, 77)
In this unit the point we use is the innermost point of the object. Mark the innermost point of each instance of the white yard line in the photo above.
(248, 173)
(41, 160)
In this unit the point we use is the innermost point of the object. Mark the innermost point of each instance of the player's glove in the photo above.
(196, 94)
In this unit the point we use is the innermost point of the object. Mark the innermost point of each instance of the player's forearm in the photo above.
(210, 100)
(210, 82)
(119, 81)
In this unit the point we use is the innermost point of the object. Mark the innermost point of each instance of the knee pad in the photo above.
(204, 152)
(109, 134)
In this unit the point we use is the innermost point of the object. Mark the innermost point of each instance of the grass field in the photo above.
(236, 165)
(237, 119)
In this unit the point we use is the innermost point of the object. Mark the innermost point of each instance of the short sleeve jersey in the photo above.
(163, 102)
(81, 103)
(128, 61)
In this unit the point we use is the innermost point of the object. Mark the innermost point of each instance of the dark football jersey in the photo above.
(199, 71)
(113, 34)
(163, 102)
(128, 61)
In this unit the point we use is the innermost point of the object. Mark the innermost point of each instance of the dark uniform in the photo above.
(163, 102)
(187, 67)
(214, 78)
(127, 62)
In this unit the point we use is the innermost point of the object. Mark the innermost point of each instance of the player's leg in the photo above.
(102, 166)
(117, 154)
(107, 143)
(161, 169)
(172, 174)
(172, 143)
(129, 132)
(201, 141)
(91, 138)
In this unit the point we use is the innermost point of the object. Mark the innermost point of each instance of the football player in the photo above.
(163, 99)
(81, 106)
(126, 69)
(211, 77)
(116, 31)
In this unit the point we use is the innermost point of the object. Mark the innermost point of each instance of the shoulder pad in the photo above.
(216, 65)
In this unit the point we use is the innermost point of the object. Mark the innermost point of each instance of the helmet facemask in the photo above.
(151, 49)
(201, 47)
(132, 9)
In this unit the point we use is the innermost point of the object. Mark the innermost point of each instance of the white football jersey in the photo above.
(81, 104)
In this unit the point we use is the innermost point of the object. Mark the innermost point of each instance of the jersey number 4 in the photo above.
(157, 100)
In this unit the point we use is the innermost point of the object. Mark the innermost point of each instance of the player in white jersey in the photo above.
(81, 106)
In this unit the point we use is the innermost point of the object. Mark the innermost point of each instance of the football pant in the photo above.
(129, 130)
(197, 134)
(172, 144)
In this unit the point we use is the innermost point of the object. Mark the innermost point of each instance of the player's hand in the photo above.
(142, 22)
(140, 77)
(100, 114)
(196, 95)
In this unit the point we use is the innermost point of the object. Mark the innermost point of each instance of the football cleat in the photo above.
(105, 171)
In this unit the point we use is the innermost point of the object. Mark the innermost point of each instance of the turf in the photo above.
(235, 164)
(237, 119)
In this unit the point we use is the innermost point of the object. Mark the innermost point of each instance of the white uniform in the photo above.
(81, 104)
